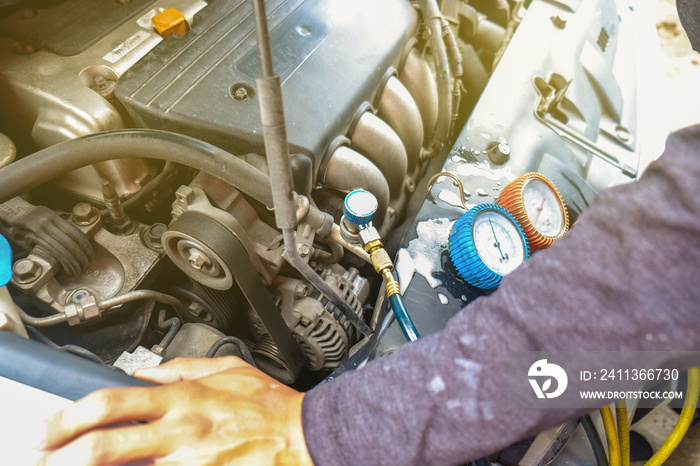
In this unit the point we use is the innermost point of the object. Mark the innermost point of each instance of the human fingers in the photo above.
(118, 445)
(189, 369)
(105, 407)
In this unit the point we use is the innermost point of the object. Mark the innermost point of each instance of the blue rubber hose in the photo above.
(405, 322)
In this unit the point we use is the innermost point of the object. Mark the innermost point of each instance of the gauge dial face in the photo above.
(543, 208)
(498, 242)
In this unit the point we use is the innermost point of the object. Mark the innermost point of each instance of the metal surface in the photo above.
(548, 445)
(41, 229)
(8, 151)
(140, 358)
(399, 110)
(120, 264)
(378, 142)
(330, 57)
(348, 170)
(420, 82)
(54, 98)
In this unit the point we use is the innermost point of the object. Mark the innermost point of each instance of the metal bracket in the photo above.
(550, 98)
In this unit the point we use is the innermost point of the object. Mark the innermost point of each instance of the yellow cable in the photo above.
(623, 431)
(687, 414)
(611, 434)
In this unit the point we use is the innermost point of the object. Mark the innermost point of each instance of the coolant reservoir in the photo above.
(9, 319)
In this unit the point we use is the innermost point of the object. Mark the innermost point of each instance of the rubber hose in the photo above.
(684, 421)
(242, 348)
(611, 434)
(623, 431)
(173, 325)
(433, 20)
(402, 317)
(52, 162)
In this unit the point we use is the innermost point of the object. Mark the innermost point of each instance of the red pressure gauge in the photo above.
(538, 207)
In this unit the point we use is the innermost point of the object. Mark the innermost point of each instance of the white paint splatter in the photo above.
(443, 298)
(453, 404)
(436, 385)
(467, 340)
(468, 408)
(451, 198)
(485, 170)
(486, 411)
(423, 253)
(469, 372)
(405, 268)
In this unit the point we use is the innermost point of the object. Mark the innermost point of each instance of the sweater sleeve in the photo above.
(626, 278)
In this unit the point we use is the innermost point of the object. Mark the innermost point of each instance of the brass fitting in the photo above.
(379, 257)
(383, 265)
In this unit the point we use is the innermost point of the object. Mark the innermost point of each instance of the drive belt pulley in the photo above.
(213, 256)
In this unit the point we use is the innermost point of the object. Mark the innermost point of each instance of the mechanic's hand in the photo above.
(209, 412)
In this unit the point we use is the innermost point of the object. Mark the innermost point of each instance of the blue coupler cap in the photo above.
(5, 261)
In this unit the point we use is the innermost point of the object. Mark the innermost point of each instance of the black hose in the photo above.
(242, 348)
(596, 444)
(82, 352)
(57, 372)
(433, 20)
(52, 162)
(174, 324)
(36, 335)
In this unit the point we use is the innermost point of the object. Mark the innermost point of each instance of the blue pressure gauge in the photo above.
(359, 207)
(487, 243)
(5, 261)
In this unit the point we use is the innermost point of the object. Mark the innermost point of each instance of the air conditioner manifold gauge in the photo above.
(538, 207)
(487, 243)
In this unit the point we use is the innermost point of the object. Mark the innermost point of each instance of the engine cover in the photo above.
(331, 57)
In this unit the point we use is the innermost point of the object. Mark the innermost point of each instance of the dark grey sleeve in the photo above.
(627, 276)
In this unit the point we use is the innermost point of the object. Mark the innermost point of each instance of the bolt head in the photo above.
(84, 214)
(304, 250)
(301, 290)
(26, 271)
(198, 260)
(152, 236)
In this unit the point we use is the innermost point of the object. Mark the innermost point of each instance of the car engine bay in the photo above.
(138, 192)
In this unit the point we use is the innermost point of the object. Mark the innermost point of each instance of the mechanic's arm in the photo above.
(208, 412)
(626, 277)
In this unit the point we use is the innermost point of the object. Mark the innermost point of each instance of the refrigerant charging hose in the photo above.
(359, 209)
(383, 265)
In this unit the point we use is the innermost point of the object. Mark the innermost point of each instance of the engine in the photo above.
(155, 237)
(137, 260)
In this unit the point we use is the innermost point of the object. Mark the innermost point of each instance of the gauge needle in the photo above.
(497, 244)
(539, 210)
